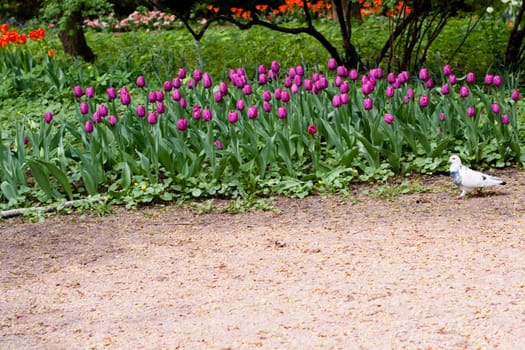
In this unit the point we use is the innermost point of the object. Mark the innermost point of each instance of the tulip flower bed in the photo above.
(271, 132)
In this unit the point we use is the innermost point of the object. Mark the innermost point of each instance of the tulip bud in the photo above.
(282, 112)
(312, 129)
(77, 91)
(141, 82)
(388, 118)
(182, 124)
(88, 127)
(48, 117)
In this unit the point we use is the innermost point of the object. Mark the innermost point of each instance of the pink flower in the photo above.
(217, 96)
(423, 101)
(332, 64)
(267, 107)
(354, 74)
(112, 120)
(218, 144)
(488, 79)
(285, 96)
(515, 95)
(96, 117)
(233, 117)
(111, 92)
(464, 91)
(167, 85)
(390, 91)
(182, 124)
(441, 116)
(247, 90)
(495, 108)
(471, 112)
(452, 79)
(336, 101)
(103, 110)
(423, 74)
(368, 103)
(252, 112)
(84, 108)
(240, 105)
(90, 91)
(496, 81)
(141, 111)
(207, 115)
(77, 91)
(206, 80)
(141, 82)
(312, 129)
(48, 117)
(282, 112)
(181, 73)
(88, 127)
(196, 112)
(175, 95)
(388, 118)
(505, 119)
(152, 118)
(445, 89)
(447, 70)
(471, 78)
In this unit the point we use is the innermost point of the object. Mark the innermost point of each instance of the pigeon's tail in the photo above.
(492, 181)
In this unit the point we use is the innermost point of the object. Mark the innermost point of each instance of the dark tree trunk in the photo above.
(74, 41)
(514, 46)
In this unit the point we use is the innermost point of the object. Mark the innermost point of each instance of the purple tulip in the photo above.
(96, 117)
(344, 88)
(182, 124)
(252, 112)
(354, 74)
(308, 84)
(452, 79)
(495, 108)
(181, 73)
(496, 81)
(152, 118)
(488, 79)
(410, 93)
(141, 111)
(261, 69)
(183, 103)
(471, 77)
(403, 77)
(240, 105)
(505, 119)
(471, 112)
(275, 66)
(233, 117)
(447, 70)
(464, 91)
(207, 115)
(285, 96)
(342, 71)
(515, 95)
(77, 91)
(368, 103)
(332, 63)
(217, 96)
(445, 89)
(247, 90)
(267, 107)
(152, 97)
(141, 82)
(367, 88)
(299, 70)
(423, 101)
(197, 75)
(336, 101)
(312, 129)
(218, 144)
(294, 89)
(84, 108)
(48, 117)
(345, 99)
(88, 127)
(160, 108)
(206, 80)
(406, 99)
(388, 118)
(90, 91)
(175, 95)
(429, 83)
(282, 112)
(223, 88)
(441, 116)
(423, 74)
(159, 95)
(192, 83)
(125, 97)
(338, 81)
(167, 85)
(277, 94)
(390, 91)
(263, 79)
(103, 110)
(287, 82)
(176, 83)
(112, 120)
(26, 140)
(111, 92)
(377, 72)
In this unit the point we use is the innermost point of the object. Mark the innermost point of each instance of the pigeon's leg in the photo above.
(462, 194)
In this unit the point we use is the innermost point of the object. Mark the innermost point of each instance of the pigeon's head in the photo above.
(454, 160)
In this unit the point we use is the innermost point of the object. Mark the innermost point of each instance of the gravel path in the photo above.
(422, 271)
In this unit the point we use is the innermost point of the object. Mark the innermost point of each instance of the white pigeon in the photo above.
(469, 180)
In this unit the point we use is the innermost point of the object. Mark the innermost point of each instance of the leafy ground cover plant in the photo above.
(281, 131)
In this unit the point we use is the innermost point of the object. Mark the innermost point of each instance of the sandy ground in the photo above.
(422, 271)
